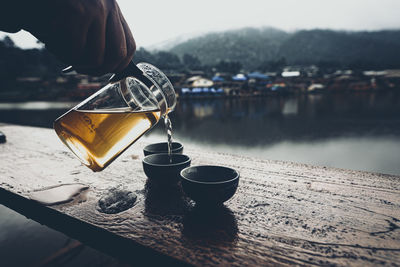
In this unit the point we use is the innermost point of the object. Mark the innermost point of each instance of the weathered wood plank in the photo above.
(283, 213)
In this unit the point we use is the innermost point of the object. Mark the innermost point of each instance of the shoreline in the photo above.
(71, 102)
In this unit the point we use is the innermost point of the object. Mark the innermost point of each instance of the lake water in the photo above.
(359, 131)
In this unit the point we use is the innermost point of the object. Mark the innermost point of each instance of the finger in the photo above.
(69, 32)
(93, 56)
(130, 44)
(115, 49)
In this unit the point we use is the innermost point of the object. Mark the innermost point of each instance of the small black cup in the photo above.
(160, 169)
(159, 148)
(209, 185)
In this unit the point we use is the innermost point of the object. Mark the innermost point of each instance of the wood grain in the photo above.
(282, 214)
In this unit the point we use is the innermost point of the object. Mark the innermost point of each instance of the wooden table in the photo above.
(282, 214)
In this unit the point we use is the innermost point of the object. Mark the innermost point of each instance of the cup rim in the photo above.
(159, 143)
(237, 175)
(188, 159)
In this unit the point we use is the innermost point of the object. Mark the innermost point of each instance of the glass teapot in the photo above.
(105, 124)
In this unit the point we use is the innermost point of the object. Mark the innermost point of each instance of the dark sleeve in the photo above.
(9, 16)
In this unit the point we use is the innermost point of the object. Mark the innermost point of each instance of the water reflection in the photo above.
(273, 119)
(291, 107)
(211, 225)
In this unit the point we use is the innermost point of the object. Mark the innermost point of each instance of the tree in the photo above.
(273, 65)
(142, 55)
(192, 62)
(229, 66)
(167, 60)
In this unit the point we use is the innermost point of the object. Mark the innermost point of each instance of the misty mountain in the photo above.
(248, 46)
(255, 48)
(172, 42)
(353, 49)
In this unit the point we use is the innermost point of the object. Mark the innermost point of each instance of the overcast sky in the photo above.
(153, 21)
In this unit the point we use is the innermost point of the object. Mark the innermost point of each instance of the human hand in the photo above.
(90, 35)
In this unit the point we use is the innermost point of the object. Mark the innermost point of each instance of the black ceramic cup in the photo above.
(160, 169)
(159, 148)
(210, 185)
